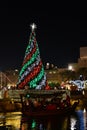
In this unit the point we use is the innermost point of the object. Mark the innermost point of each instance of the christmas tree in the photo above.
(32, 73)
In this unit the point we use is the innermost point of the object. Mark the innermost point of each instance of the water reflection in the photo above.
(78, 120)
(11, 120)
(16, 121)
(46, 123)
(73, 123)
(85, 117)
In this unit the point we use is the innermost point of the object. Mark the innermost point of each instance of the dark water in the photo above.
(76, 121)
(49, 123)
(15, 121)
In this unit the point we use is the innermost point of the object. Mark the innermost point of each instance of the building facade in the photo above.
(82, 61)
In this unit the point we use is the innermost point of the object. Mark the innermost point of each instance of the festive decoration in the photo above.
(32, 73)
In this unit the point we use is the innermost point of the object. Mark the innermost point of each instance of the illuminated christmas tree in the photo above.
(32, 73)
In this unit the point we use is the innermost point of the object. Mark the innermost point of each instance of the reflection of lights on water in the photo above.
(73, 123)
(81, 119)
(41, 127)
(11, 119)
(84, 110)
(33, 124)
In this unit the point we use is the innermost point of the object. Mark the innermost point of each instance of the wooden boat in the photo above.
(61, 112)
(48, 105)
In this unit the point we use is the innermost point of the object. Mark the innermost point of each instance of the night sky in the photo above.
(59, 35)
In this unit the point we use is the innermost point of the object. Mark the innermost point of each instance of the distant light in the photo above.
(83, 92)
(70, 67)
(16, 70)
(47, 64)
(9, 87)
(33, 26)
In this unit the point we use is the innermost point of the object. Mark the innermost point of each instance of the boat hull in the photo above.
(64, 111)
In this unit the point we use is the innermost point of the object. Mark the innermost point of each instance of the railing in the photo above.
(15, 94)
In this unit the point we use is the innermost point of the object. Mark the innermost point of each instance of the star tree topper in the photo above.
(33, 26)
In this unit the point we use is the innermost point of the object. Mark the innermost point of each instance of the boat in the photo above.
(46, 103)
(61, 112)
